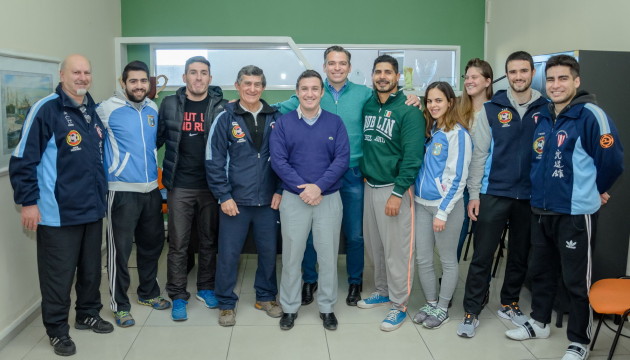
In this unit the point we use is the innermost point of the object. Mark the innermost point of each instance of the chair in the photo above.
(610, 296)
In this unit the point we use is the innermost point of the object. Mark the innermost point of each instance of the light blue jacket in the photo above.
(442, 177)
(130, 144)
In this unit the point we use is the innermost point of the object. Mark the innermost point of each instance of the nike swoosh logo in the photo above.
(191, 134)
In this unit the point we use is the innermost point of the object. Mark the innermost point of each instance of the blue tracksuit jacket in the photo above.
(576, 157)
(58, 163)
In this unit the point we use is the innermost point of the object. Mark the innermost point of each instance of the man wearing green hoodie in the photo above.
(393, 138)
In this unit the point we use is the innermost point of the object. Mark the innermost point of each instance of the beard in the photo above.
(136, 98)
(387, 89)
(81, 92)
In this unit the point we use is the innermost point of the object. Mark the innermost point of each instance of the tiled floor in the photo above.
(256, 336)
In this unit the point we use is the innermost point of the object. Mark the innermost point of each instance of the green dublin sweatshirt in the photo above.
(393, 142)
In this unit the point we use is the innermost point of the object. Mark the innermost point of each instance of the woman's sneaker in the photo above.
(436, 319)
(423, 313)
(468, 325)
(512, 312)
(529, 330)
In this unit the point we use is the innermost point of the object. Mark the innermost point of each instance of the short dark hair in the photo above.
(251, 70)
(564, 60)
(135, 65)
(520, 55)
(337, 48)
(195, 59)
(309, 74)
(388, 59)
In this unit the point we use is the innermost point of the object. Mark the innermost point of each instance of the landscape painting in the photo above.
(19, 92)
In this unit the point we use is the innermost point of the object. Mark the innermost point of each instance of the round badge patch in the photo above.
(505, 116)
(606, 141)
(539, 144)
(73, 138)
(237, 132)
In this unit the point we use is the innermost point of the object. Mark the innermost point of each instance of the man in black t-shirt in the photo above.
(184, 122)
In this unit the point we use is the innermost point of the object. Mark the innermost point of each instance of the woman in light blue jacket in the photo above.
(439, 204)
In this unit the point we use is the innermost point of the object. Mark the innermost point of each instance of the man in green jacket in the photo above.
(393, 138)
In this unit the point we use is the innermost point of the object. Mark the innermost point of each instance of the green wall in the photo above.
(419, 22)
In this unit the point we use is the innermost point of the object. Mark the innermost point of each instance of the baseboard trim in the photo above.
(7, 334)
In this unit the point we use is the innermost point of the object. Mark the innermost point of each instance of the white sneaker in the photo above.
(576, 351)
(529, 330)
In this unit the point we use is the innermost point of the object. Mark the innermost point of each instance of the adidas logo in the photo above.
(571, 244)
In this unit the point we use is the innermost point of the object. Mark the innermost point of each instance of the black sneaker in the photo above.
(63, 346)
(94, 323)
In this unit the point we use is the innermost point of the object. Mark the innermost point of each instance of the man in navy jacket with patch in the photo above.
(240, 177)
(577, 156)
(499, 186)
(57, 176)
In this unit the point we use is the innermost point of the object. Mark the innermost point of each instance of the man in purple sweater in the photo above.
(310, 153)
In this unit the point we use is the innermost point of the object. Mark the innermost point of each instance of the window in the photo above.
(282, 60)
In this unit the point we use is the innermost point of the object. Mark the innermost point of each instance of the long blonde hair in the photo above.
(466, 109)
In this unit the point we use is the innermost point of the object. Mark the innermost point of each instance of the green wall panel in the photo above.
(420, 22)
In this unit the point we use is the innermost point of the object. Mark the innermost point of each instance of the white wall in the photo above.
(53, 29)
(548, 26)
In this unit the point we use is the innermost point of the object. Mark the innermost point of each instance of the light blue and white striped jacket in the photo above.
(442, 176)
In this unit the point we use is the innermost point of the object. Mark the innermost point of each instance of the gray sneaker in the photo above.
(227, 317)
(272, 308)
(436, 319)
(512, 312)
(467, 326)
(423, 313)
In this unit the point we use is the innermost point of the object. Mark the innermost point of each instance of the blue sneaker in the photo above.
(178, 313)
(373, 301)
(207, 297)
(393, 320)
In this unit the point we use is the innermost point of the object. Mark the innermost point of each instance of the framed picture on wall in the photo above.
(24, 80)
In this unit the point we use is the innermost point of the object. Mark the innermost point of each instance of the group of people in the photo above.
(398, 175)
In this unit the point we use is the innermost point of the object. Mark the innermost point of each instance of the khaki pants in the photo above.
(389, 242)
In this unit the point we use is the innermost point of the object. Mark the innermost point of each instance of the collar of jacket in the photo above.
(67, 101)
(581, 97)
(214, 92)
(392, 97)
(237, 109)
(120, 97)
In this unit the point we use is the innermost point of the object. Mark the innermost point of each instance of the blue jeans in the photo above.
(352, 225)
